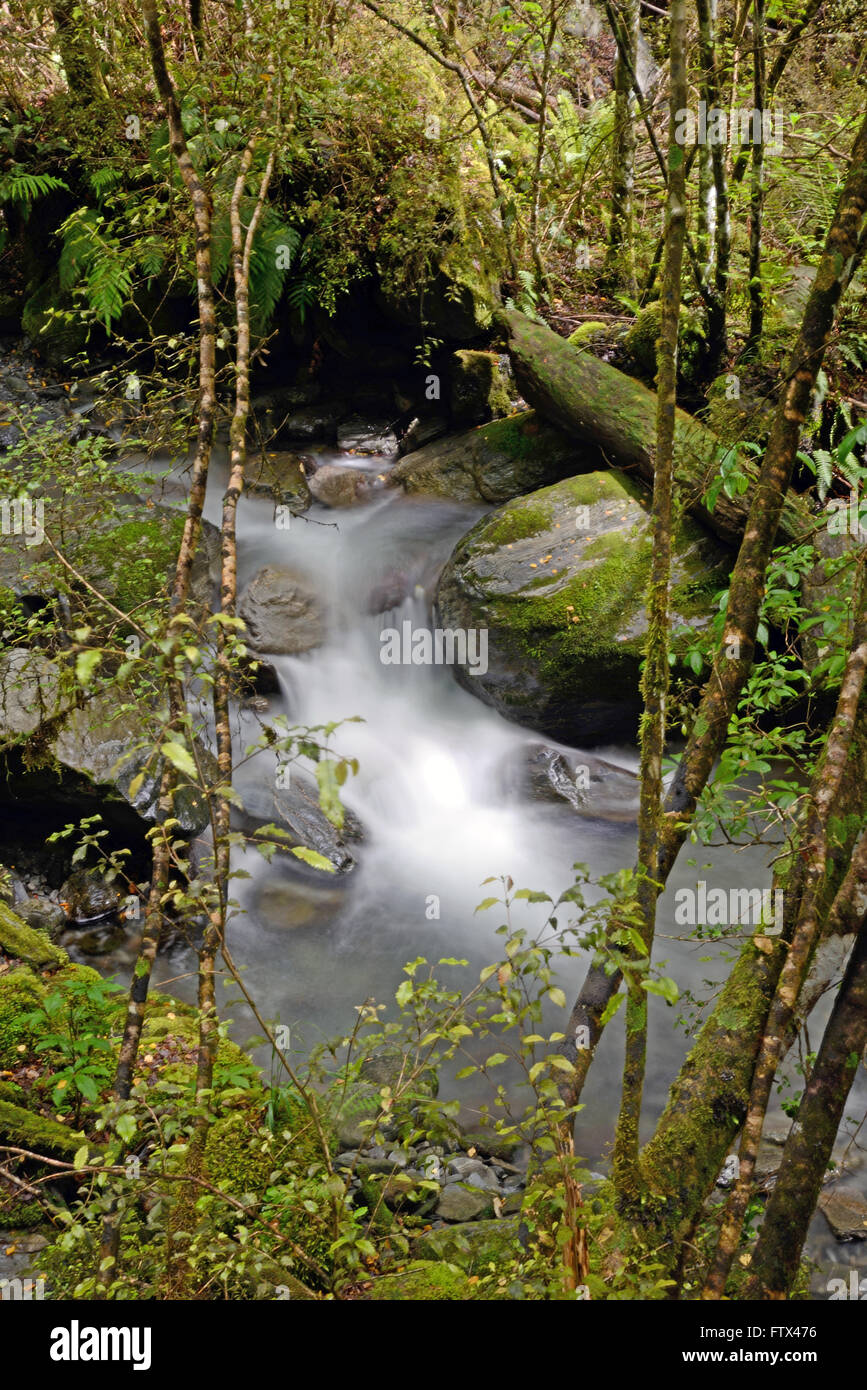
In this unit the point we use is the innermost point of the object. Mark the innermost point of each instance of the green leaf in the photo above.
(611, 1008)
(557, 996)
(180, 758)
(80, 1159)
(310, 856)
(85, 665)
(486, 903)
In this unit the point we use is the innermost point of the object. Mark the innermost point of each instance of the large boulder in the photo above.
(499, 461)
(558, 580)
(336, 486)
(478, 387)
(282, 613)
(296, 811)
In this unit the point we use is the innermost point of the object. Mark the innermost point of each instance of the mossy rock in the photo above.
(27, 944)
(176, 1030)
(235, 1158)
(494, 462)
(57, 339)
(558, 581)
(736, 412)
(478, 387)
(472, 1245)
(281, 476)
(20, 993)
(422, 1281)
(638, 347)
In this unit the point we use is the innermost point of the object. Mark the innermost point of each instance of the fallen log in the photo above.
(600, 406)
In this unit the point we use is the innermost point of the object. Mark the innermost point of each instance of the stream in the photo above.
(443, 804)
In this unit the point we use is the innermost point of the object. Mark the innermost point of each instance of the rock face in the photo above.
(595, 789)
(30, 691)
(282, 613)
(495, 463)
(846, 1214)
(558, 579)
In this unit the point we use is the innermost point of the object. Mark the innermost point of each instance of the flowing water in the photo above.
(443, 805)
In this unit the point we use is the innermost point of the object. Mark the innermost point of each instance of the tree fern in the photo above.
(89, 255)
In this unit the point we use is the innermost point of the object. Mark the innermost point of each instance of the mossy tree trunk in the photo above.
(719, 225)
(655, 673)
(757, 185)
(619, 267)
(777, 1254)
(812, 909)
(73, 28)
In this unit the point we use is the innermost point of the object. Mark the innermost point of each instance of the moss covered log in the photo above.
(602, 407)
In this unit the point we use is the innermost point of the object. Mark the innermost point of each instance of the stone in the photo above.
(282, 476)
(472, 1246)
(313, 422)
(479, 386)
(43, 914)
(282, 613)
(88, 897)
(358, 435)
(336, 486)
(460, 1203)
(494, 463)
(594, 788)
(296, 810)
(31, 691)
(846, 1214)
(558, 582)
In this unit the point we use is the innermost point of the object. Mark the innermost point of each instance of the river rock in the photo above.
(845, 1213)
(460, 1203)
(558, 580)
(296, 809)
(335, 486)
(501, 460)
(471, 1246)
(281, 476)
(88, 897)
(282, 613)
(594, 788)
(43, 914)
(423, 429)
(358, 435)
(314, 422)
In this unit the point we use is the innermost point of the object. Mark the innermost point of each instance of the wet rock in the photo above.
(314, 422)
(422, 430)
(95, 941)
(358, 435)
(281, 476)
(296, 810)
(494, 463)
(335, 486)
(43, 914)
(88, 897)
(595, 789)
(845, 1213)
(282, 613)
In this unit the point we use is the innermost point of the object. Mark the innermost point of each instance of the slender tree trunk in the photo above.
(77, 52)
(655, 675)
(757, 186)
(813, 851)
(620, 253)
(734, 658)
(777, 1254)
(541, 133)
(719, 226)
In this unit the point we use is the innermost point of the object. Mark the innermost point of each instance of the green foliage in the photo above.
(71, 1023)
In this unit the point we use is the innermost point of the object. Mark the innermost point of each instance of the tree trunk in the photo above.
(757, 186)
(620, 253)
(655, 672)
(805, 1158)
(720, 230)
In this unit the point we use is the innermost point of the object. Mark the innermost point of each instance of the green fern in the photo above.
(22, 188)
(89, 256)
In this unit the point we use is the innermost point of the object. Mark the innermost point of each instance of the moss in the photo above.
(478, 389)
(133, 559)
(236, 1156)
(26, 943)
(36, 1132)
(20, 993)
(422, 1281)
